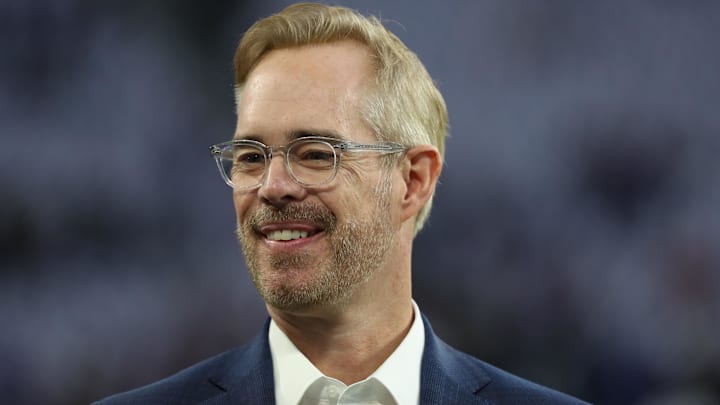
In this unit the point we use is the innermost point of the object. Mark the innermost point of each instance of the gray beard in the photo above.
(358, 249)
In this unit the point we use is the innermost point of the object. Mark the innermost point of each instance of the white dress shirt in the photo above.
(398, 378)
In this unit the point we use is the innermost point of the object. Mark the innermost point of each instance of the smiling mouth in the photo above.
(293, 223)
(286, 234)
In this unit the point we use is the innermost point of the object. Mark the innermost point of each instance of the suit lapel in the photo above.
(446, 376)
(248, 377)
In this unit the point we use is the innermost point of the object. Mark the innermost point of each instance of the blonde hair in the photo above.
(403, 105)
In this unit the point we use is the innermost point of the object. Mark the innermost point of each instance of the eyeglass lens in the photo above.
(309, 163)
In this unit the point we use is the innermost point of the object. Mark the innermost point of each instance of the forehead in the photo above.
(315, 87)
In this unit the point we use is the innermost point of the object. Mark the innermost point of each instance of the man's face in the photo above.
(340, 232)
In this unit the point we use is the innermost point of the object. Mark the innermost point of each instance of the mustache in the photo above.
(316, 214)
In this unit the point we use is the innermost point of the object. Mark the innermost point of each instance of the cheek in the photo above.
(365, 194)
(350, 202)
(354, 183)
(241, 202)
(360, 171)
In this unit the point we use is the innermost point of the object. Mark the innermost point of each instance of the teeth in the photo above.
(287, 234)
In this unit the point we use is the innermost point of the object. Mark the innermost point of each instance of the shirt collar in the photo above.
(292, 371)
(400, 373)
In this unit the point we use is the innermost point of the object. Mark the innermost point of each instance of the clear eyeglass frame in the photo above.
(310, 161)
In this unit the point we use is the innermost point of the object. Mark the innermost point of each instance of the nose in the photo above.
(278, 188)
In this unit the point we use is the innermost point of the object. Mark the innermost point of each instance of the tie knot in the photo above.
(328, 391)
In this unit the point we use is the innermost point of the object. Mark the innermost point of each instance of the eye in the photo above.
(317, 155)
(247, 158)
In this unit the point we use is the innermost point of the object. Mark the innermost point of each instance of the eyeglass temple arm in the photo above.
(360, 147)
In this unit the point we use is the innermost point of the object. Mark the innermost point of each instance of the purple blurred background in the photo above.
(575, 238)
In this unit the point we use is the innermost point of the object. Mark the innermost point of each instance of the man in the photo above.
(337, 151)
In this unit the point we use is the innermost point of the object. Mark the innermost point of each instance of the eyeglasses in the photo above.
(310, 161)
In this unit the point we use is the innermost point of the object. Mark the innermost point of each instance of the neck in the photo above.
(349, 344)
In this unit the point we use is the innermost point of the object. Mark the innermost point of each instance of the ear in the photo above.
(421, 169)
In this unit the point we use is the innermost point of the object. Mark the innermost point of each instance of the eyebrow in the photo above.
(294, 134)
(304, 133)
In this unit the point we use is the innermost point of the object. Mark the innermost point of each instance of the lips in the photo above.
(288, 231)
(286, 234)
(292, 223)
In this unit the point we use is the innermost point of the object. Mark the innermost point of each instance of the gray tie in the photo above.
(326, 391)
(322, 391)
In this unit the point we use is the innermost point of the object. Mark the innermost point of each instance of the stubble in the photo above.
(295, 281)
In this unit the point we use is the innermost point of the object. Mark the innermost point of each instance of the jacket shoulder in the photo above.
(451, 376)
(190, 385)
(208, 379)
(509, 388)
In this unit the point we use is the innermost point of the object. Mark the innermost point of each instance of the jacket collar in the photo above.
(447, 376)
(246, 377)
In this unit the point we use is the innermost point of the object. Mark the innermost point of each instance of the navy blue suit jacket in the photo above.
(245, 376)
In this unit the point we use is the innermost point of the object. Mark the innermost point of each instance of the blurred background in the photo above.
(575, 238)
